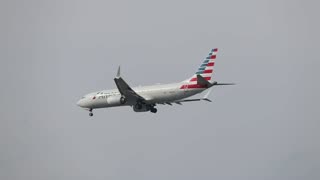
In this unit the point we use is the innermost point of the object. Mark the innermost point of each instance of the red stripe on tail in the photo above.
(207, 71)
(213, 57)
(210, 64)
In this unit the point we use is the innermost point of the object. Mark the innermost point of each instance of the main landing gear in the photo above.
(153, 110)
(90, 114)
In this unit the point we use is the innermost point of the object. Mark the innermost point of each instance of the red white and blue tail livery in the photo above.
(143, 99)
(205, 70)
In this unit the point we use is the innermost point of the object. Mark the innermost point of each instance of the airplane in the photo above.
(144, 99)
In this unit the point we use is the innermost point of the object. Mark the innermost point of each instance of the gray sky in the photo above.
(53, 52)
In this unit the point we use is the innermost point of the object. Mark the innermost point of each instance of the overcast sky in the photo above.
(53, 52)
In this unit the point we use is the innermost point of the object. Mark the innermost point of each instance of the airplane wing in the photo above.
(125, 89)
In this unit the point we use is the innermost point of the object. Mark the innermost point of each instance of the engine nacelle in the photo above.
(141, 108)
(116, 100)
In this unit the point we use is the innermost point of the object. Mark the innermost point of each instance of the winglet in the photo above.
(118, 73)
(205, 97)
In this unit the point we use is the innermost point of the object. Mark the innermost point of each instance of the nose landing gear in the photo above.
(90, 114)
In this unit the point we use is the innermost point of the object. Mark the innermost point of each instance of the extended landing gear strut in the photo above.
(90, 114)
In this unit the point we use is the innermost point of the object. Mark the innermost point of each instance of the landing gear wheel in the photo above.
(90, 114)
(154, 110)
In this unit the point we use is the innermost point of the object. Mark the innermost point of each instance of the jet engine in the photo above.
(116, 100)
(140, 108)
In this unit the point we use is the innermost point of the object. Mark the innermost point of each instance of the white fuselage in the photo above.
(144, 99)
(155, 94)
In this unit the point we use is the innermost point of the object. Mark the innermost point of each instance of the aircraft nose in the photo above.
(80, 103)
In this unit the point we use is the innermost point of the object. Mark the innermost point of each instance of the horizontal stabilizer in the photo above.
(222, 84)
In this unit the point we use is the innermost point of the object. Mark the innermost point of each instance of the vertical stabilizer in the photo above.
(206, 68)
